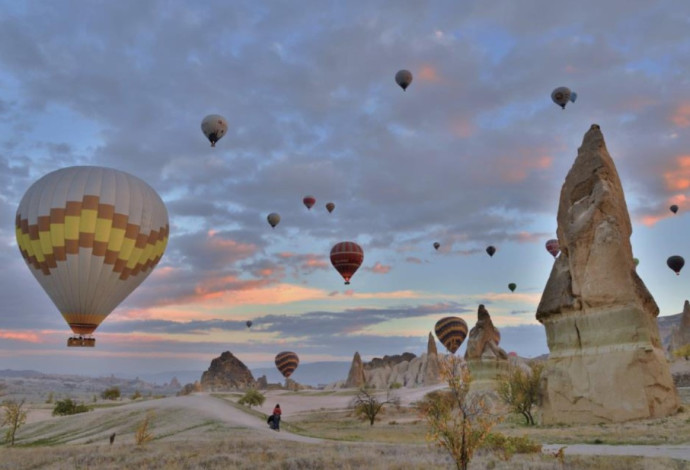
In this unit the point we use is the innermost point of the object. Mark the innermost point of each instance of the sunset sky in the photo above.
(473, 154)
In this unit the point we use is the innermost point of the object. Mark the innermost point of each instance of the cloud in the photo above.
(379, 268)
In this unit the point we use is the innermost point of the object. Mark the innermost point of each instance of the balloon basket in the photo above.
(81, 342)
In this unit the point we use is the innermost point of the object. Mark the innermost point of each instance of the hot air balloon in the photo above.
(636, 261)
(676, 263)
(491, 250)
(90, 236)
(346, 258)
(674, 208)
(403, 78)
(214, 127)
(437, 245)
(273, 219)
(553, 247)
(287, 362)
(451, 332)
(330, 206)
(562, 95)
(249, 323)
(512, 286)
(309, 201)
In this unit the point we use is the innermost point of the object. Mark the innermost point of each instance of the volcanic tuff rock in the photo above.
(226, 373)
(680, 335)
(606, 363)
(356, 377)
(432, 371)
(389, 361)
(484, 357)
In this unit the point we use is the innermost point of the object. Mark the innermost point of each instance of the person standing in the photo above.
(276, 417)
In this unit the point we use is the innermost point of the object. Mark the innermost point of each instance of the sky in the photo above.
(473, 154)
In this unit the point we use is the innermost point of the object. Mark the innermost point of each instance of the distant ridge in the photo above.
(313, 373)
(20, 373)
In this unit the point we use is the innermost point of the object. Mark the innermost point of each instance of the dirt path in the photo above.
(681, 452)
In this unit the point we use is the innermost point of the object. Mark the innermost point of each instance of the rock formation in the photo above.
(484, 357)
(606, 363)
(432, 371)
(680, 335)
(389, 361)
(356, 377)
(226, 373)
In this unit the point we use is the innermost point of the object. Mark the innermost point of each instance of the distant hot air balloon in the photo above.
(674, 208)
(437, 245)
(309, 201)
(512, 286)
(273, 219)
(287, 362)
(676, 263)
(636, 261)
(451, 332)
(491, 250)
(329, 207)
(346, 258)
(403, 78)
(562, 95)
(214, 127)
(90, 236)
(249, 323)
(553, 247)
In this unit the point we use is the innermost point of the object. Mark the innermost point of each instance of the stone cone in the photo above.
(606, 362)
(356, 377)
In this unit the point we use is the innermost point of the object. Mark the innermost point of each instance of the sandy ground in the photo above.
(674, 452)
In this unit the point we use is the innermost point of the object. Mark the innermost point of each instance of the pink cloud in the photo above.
(20, 336)
(681, 115)
(428, 73)
(379, 268)
(413, 259)
(515, 169)
(462, 127)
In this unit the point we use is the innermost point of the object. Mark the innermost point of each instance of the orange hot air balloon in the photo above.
(309, 201)
(346, 258)
(287, 362)
(451, 332)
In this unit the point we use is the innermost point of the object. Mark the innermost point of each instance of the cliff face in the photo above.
(226, 373)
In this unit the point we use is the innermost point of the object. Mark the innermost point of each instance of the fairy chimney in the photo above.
(356, 377)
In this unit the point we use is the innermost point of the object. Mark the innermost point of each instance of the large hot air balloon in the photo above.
(676, 263)
(403, 78)
(674, 208)
(562, 95)
(512, 286)
(346, 258)
(491, 250)
(451, 332)
(553, 247)
(249, 323)
(273, 219)
(309, 201)
(329, 207)
(90, 236)
(214, 127)
(287, 362)
(437, 245)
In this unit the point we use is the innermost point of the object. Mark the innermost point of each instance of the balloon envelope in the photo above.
(286, 362)
(273, 219)
(451, 332)
(561, 96)
(673, 208)
(346, 258)
(512, 286)
(309, 201)
(90, 236)
(437, 245)
(249, 323)
(491, 250)
(676, 263)
(553, 247)
(330, 206)
(403, 78)
(214, 127)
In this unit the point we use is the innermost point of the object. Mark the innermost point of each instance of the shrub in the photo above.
(367, 405)
(507, 446)
(520, 389)
(112, 393)
(136, 395)
(14, 416)
(253, 397)
(143, 434)
(396, 385)
(69, 407)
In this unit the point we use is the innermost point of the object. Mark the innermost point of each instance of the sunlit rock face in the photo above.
(606, 363)
(225, 373)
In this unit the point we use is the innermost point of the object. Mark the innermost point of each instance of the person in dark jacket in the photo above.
(276, 418)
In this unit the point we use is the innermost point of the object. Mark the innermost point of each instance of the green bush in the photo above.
(112, 393)
(396, 385)
(507, 446)
(252, 398)
(69, 407)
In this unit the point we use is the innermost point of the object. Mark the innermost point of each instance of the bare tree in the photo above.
(14, 417)
(459, 421)
(367, 405)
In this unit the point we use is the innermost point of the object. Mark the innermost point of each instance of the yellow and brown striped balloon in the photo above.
(287, 362)
(451, 332)
(90, 236)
